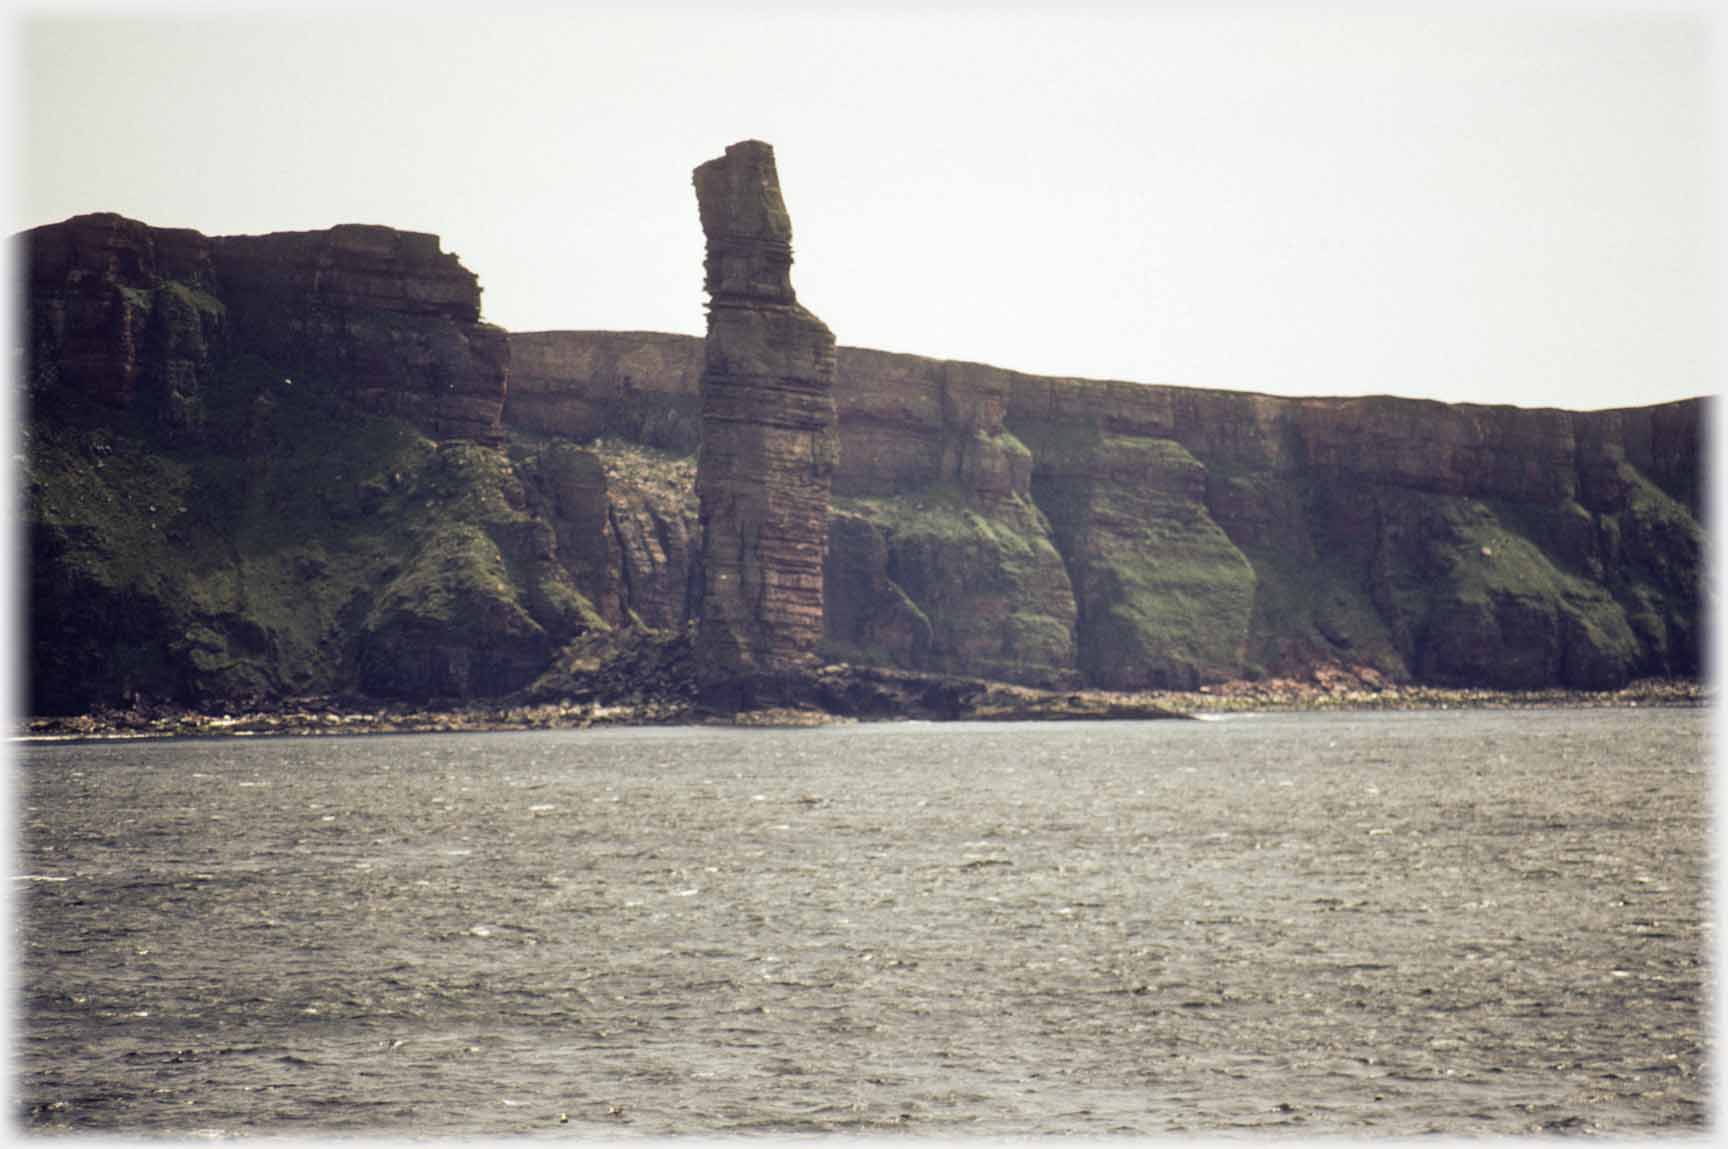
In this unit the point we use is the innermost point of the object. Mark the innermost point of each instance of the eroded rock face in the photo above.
(768, 430)
(1164, 599)
(1202, 535)
(946, 562)
(128, 315)
(570, 491)
(216, 509)
(386, 311)
(637, 385)
(937, 557)
(118, 313)
(1459, 545)
(201, 528)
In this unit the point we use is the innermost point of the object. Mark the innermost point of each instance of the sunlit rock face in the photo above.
(1032, 528)
(769, 440)
(938, 558)
(642, 386)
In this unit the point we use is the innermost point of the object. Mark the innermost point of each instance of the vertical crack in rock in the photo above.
(769, 439)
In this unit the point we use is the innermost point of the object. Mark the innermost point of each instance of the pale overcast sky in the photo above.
(1481, 207)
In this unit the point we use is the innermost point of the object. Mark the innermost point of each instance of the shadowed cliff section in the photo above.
(132, 316)
(266, 466)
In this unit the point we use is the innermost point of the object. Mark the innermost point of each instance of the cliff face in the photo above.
(264, 466)
(284, 465)
(768, 442)
(636, 385)
(386, 311)
(116, 312)
(1046, 530)
(948, 564)
(1454, 544)
(121, 313)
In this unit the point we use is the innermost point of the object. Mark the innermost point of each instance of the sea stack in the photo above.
(769, 440)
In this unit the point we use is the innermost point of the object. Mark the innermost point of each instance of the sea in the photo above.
(1364, 924)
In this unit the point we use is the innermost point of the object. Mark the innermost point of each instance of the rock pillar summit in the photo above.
(769, 438)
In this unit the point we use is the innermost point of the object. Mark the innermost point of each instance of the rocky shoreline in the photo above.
(838, 694)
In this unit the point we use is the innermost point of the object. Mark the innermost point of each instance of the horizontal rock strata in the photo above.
(768, 439)
(266, 466)
(119, 312)
(1206, 534)
(640, 386)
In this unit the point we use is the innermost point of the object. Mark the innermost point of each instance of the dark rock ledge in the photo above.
(827, 694)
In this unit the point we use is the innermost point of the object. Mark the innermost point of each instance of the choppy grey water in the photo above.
(1489, 922)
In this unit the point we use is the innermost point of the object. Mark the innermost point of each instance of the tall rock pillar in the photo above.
(769, 438)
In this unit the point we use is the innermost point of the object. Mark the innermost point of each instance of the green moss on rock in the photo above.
(1165, 598)
(983, 577)
(1476, 601)
(298, 547)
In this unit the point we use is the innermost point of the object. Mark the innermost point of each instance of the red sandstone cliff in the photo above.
(1207, 534)
(264, 465)
(121, 312)
(768, 442)
(979, 521)
(636, 385)
(114, 308)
